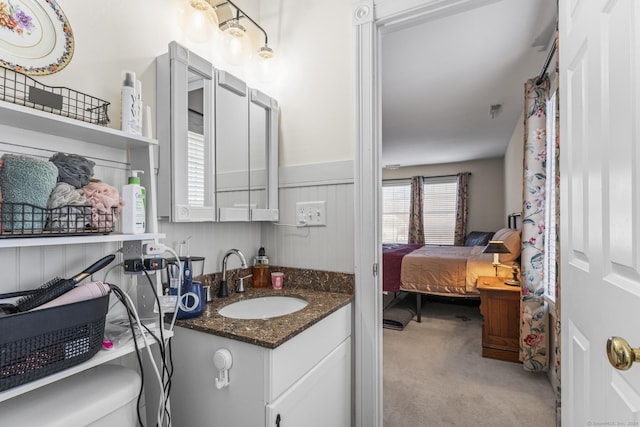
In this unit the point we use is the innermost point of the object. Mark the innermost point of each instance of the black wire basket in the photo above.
(38, 343)
(26, 220)
(18, 88)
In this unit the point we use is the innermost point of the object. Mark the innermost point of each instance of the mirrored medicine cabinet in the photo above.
(218, 143)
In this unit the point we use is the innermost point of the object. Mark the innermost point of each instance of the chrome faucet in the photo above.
(223, 290)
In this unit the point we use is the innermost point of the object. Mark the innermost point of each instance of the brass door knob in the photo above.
(621, 354)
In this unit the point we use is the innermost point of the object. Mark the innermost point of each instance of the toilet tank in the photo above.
(102, 396)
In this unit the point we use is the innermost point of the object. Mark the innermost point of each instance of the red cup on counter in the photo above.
(277, 280)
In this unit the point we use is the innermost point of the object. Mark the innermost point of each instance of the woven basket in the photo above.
(38, 343)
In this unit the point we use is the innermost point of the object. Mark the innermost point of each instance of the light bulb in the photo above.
(199, 21)
(235, 43)
(266, 64)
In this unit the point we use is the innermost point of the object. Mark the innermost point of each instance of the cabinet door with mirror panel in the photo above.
(263, 157)
(218, 139)
(232, 148)
(185, 127)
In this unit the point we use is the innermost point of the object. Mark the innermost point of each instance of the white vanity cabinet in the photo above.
(304, 382)
(322, 397)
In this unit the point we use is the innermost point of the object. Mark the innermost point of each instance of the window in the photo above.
(396, 198)
(439, 210)
(440, 196)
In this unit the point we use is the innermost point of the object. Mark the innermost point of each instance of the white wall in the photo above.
(486, 200)
(513, 170)
(315, 93)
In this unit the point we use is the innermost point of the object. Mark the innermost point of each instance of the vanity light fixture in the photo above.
(199, 21)
(235, 42)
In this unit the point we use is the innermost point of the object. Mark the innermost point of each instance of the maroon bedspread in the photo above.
(392, 255)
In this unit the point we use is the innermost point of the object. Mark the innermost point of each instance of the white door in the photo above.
(600, 207)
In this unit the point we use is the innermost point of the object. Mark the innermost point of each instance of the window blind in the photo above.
(439, 210)
(195, 168)
(396, 197)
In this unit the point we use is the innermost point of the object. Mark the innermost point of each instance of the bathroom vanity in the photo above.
(292, 370)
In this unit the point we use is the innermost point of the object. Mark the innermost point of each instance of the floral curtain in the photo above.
(534, 316)
(462, 209)
(416, 225)
(556, 326)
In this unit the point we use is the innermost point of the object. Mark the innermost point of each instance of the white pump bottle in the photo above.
(134, 213)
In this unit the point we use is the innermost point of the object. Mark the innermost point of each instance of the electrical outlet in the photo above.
(135, 265)
(132, 249)
(311, 214)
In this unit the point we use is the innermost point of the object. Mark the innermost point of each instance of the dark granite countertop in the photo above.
(268, 333)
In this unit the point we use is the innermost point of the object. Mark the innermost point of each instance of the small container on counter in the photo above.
(277, 280)
(261, 270)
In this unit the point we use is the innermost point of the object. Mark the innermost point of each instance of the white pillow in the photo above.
(512, 241)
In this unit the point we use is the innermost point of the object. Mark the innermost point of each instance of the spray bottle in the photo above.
(134, 213)
(128, 111)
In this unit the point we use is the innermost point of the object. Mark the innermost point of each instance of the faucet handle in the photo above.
(240, 287)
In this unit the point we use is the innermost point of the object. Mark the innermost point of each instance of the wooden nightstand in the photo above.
(500, 309)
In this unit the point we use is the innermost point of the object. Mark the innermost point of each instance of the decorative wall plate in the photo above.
(35, 36)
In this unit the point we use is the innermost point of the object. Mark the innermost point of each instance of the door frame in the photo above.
(371, 18)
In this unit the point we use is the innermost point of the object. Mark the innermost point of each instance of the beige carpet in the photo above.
(435, 375)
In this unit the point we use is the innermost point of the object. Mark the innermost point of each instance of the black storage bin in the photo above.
(38, 343)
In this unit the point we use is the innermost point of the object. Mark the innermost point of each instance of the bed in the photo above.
(445, 270)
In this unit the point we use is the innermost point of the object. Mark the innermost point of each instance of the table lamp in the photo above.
(496, 247)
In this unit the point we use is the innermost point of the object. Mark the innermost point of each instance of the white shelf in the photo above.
(101, 357)
(27, 118)
(75, 240)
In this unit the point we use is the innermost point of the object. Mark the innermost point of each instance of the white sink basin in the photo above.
(263, 307)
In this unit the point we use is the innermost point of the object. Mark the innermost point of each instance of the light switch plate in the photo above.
(311, 214)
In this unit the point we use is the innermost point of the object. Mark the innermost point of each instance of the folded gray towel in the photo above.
(25, 180)
(73, 169)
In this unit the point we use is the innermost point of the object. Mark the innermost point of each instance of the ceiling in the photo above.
(440, 76)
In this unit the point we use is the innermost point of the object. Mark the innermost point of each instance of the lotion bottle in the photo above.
(128, 112)
(134, 211)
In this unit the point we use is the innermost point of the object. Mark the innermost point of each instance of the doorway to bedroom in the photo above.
(451, 90)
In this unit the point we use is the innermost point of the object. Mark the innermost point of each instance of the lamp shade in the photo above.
(496, 247)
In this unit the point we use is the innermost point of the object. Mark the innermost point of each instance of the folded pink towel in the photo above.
(102, 197)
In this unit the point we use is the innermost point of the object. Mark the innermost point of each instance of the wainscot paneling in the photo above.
(322, 248)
